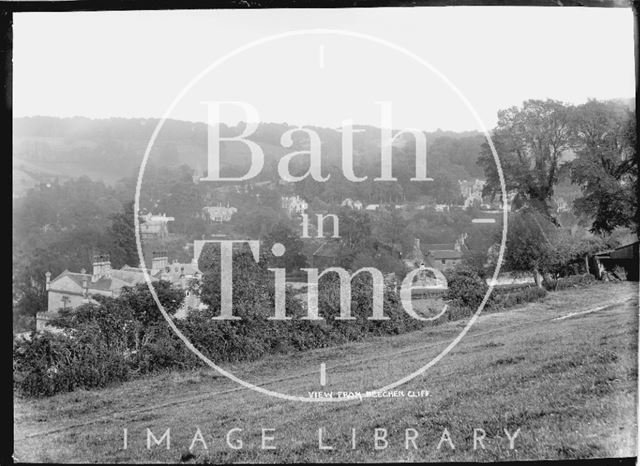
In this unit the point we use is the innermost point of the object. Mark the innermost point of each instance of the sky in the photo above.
(450, 68)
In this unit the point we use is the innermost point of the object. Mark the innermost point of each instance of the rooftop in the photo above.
(439, 247)
(445, 254)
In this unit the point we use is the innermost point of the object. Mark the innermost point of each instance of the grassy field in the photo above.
(568, 382)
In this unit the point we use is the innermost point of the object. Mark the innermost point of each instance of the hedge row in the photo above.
(97, 353)
(50, 363)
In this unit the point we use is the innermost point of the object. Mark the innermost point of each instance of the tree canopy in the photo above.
(606, 166)
(530, 141)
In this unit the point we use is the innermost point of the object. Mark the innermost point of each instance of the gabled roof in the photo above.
(429, 261)
(76, 277)
(130, 276)
(445, 254)
(438, 247)
(627, 251)
(127, 276)
(173, 272)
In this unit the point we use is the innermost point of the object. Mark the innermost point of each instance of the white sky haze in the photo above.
(133, 64)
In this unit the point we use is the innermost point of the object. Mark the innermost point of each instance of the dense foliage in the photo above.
(606, 168)
(466, 288)
(594, 142)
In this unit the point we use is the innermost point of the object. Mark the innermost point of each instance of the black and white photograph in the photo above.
(357, 233)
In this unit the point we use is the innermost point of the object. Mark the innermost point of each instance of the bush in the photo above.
(457, 312)
(51, 363)
(466, 288)
(163, 349)
(514, 297)
(362, 292)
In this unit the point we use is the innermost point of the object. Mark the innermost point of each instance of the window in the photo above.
(443, 261)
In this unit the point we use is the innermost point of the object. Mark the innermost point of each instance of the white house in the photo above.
(219, 213)
(155, 226)
(71, 289)
(471, 191)
(294, 205)
(351, 204)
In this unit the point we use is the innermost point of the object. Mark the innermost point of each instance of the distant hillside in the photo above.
(45, 148)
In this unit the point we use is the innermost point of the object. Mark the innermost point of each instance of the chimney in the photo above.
(85, 284)
(159, 262)
(101, 267)
(48, 280)
(460, 242)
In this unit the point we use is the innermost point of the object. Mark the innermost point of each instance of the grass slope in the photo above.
(569, 385)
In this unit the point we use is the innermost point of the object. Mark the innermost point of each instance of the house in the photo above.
(174, 272)
(372, 207)
(155, 226)
(351, 204)
(427, 279)
(562, 206)
(496, 204)
(219, 213)
(444, 256)
(71, 289)
(294, 205)
(181, 275)
(471, 191)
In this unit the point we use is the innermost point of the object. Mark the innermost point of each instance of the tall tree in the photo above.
(530, 142)
(293, 258)
(355, 228)
(606, 168)
(529, 248)
(122, 233)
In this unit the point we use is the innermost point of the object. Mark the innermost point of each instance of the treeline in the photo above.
(116, 145)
